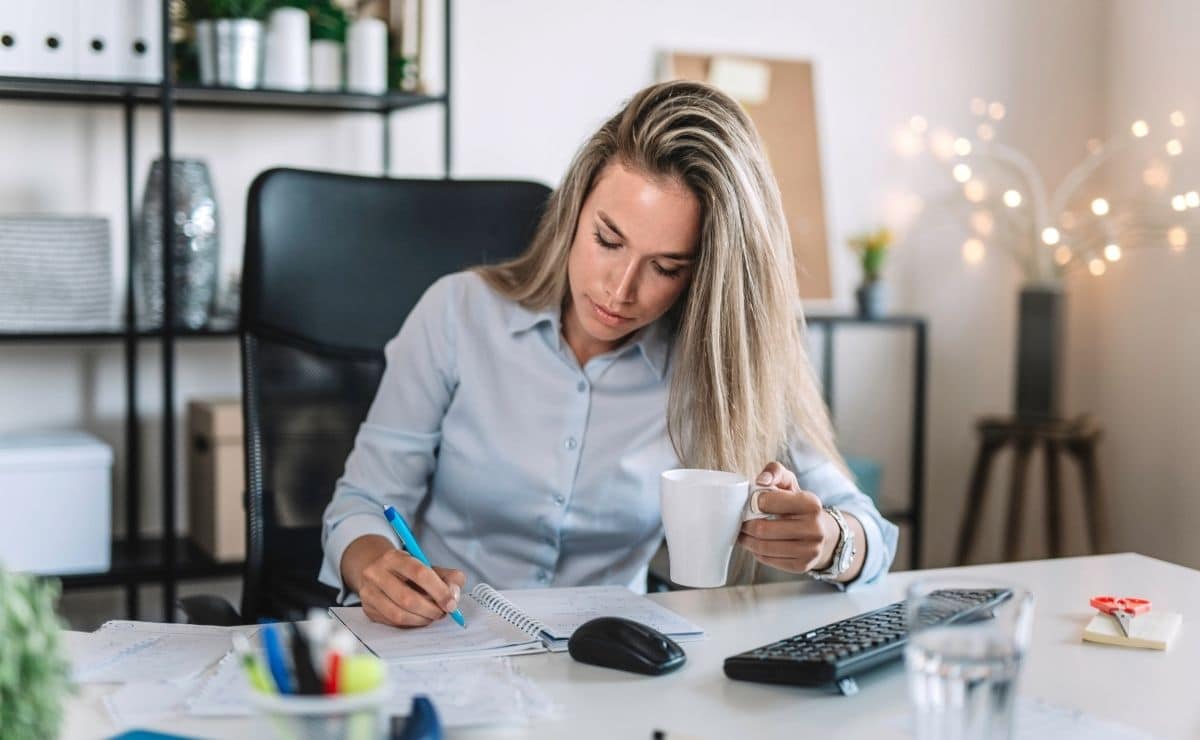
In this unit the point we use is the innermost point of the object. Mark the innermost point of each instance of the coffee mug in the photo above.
(702, 512)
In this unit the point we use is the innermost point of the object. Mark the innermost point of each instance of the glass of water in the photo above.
(966, 641)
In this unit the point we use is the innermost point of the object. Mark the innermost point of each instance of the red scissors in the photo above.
(1123, 608)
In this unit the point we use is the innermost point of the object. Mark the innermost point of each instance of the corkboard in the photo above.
(786, 120)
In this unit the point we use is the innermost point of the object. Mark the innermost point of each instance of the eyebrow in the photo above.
(679, 256)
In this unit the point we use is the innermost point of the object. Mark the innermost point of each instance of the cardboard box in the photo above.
(216, 478)
(56, 494)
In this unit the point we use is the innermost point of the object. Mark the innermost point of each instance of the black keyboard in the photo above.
(835, 653)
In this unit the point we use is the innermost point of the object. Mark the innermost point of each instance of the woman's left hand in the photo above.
(801, 537)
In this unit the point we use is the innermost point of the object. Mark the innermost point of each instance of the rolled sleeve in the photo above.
(835, 488)
(395, 450)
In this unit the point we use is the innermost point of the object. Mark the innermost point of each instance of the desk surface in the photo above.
(1150, 690)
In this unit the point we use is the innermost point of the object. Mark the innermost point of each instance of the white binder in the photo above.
(16, 36)
(142, 57)
(54, 39)
(102, 39)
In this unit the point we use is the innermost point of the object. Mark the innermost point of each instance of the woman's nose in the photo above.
(625, 285)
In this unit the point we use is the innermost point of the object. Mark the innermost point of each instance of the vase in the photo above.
(231, 52)
(872, 299)
(286, 65)
(1040, 337)
(325, 59)
(196, 247)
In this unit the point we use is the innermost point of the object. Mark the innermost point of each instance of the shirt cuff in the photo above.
(341, 534)
(879, 551)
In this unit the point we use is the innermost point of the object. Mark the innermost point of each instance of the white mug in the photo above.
(702, 512)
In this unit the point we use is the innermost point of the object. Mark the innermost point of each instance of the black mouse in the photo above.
(614, 642)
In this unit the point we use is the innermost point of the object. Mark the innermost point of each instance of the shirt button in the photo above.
(571, 443)
(581, 387)
(543, 576)
(560, 499)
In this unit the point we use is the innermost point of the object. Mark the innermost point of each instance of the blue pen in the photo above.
(275, 661)
(410, 544)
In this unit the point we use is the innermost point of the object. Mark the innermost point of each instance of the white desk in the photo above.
(1150, 690)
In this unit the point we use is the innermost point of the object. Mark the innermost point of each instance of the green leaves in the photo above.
(872, 249)
(206, 10)
(33, 672)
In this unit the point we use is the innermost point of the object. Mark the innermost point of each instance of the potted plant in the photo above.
(229, 40)
(872, 248)
(34, 674)
(328, 22)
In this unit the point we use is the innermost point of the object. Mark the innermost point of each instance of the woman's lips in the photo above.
(606, 317)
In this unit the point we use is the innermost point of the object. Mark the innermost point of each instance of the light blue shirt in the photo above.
(520, 467)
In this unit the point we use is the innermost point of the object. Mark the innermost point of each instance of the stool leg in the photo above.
(1085, 454)
(1053, 501)
(976, 494)
(1016, 496)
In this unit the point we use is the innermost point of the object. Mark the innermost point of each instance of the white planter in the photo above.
(286, 66)
(366, 56)
(326, 63)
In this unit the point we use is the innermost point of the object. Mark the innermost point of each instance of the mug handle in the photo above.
(752, 511)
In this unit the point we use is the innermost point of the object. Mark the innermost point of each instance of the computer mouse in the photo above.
(615, 642)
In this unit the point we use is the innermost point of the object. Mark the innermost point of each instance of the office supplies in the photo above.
(422, 722)
(359, 673)
(514, 622)
(273, 646)
(1154, 630)
(123, 651)
(410, 544)
(836, 652)
(1122, 609)
(626, 645)
(307, 681)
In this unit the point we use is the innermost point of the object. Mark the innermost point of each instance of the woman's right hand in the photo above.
(395, 587)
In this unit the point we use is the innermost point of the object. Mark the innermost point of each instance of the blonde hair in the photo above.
(741, 384)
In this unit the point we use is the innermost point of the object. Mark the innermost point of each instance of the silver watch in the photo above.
(843, 553)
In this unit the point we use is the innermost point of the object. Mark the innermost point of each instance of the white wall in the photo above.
(533, 77)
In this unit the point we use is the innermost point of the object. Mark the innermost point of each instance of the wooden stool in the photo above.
(1078, 438)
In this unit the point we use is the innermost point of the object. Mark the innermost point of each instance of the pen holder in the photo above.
(327, 717)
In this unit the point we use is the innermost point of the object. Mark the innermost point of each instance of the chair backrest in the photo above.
(333, 265)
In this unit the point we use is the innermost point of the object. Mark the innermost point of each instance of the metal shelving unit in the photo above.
(166, 560)
(913, 516)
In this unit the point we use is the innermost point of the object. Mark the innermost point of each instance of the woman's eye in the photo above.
(604, 242)
(665, 272)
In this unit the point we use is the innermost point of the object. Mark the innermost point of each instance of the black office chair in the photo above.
(333, 265)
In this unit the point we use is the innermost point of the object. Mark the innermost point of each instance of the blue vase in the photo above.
(872, 299)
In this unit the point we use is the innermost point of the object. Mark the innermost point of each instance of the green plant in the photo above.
(327, 21)
(208, 10)
(872, 247)
(33, 673)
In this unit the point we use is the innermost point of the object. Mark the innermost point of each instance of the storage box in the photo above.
(56, 498)
(216, 478)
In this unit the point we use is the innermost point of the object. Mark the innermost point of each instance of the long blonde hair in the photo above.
(741, 384)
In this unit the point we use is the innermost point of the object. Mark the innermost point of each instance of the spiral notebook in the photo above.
(514, 622)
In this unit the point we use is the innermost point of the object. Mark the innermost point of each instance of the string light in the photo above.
(1062, 255)
(1050, 235)
(962, 173)
(1192, 198)
(1012, 198)
(918, 124)
(1177, 119)
(978, 106)
(996, 111)
(1179, 202)
(972, 251)
(942, 144)
(1100, 206)
(1155, 176)
(1140, 128)
(1174, 147)
(962, 147)
(1177, 237)
(975, 191)
(985, 132)
(1096, 266)
(1112, 252)
(983, 222)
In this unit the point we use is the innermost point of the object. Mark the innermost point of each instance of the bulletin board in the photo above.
(778, 95)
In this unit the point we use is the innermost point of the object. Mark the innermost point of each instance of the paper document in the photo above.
(122, 651)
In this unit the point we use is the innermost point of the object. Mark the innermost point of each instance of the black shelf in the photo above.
(196, 96)
(110, 335)
(143, 563)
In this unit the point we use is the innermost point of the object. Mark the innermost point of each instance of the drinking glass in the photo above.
(962, 671)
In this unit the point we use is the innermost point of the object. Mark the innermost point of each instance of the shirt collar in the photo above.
(653, 341)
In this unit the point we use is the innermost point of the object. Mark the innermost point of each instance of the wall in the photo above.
(532, 78)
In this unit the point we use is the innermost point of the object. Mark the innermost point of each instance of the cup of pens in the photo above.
(309, 680)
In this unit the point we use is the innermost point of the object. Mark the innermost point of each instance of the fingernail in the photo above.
(452, 604)
(764, 478)
(455, 592)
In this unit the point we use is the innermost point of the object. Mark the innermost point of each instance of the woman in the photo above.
(528, 408)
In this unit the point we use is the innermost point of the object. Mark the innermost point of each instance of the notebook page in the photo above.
(122, 651)
(562, 610)
(485, 634)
